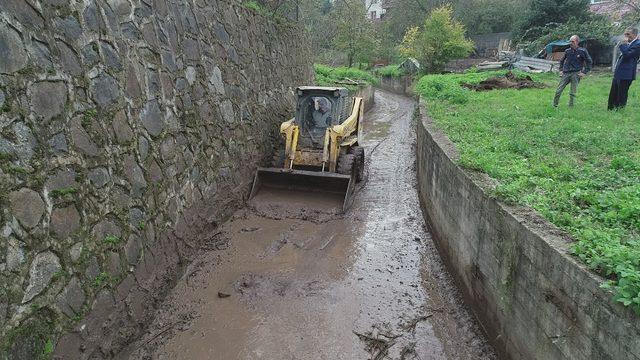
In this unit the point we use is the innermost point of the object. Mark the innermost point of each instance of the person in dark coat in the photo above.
(575, 63)
(625, 71)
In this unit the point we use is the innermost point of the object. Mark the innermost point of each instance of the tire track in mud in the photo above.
(293, 280)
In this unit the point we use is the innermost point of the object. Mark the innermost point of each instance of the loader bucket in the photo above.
(336, 186)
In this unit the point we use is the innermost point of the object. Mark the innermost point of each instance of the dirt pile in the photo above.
(508, 81)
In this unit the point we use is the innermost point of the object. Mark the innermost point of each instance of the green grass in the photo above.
(64, 191)
(328, 76)
(580, 167)
(112, 240)
(390, 71)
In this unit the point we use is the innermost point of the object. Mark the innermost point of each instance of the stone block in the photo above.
(132, 85)
(58, 144)
(68, 27)
(143, 147)
(215, 81)
(104, 228)
(26, 143)
(16, 254)
(191, 49)
(89, 55)
(111, 57)
(168, 60)
(226, 109)
(14, 56)
(25, 13)
(62, 179)
(41, 54)
(130, 31)
(69, 58)
(133, 249)
(135, 176)
(27, 206)
(121, 7)
(152, 118)
(99, 177)
(91, 16)
(121, 127)
(65, 221)
(112, 265)
(71, 299)
(43, 267)
(92, 270)
(105, 90)
(81, 139)
(76, 251)
(48, 98)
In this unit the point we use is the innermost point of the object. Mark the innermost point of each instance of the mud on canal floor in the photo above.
(297, 280)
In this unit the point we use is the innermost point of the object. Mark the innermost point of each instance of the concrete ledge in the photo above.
(533, 299)
(367, 93)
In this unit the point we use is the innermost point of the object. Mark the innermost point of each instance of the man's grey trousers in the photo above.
(570, 77)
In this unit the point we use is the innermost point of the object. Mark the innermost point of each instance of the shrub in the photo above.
(326, 75)
(390, 71)
(440, 39)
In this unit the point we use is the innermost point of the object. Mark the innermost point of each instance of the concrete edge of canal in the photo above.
(532, 298)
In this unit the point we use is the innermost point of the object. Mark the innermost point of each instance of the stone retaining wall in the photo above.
(534, 300)
(126, 128)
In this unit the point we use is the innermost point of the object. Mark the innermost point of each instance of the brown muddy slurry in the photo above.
(289, 277)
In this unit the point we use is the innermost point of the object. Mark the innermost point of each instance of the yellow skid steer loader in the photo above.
(321, 146)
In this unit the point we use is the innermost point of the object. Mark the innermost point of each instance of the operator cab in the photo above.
(319, 108)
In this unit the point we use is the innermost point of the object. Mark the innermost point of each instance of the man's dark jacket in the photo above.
(628, 61)
(575, 60)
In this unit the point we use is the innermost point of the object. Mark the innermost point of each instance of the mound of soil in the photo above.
(508, 81)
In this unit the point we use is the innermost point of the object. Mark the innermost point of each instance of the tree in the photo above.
(489, 16)
(355, 35)
(543, 12)
(440, 40)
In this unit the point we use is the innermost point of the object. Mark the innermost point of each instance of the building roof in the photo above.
(612, 9)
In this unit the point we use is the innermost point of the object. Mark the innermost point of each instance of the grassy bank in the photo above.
(389, 71)
(579, 167)
(330, 76)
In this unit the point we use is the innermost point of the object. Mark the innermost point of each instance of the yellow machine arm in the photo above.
(344, 134)
(340, 135)
(290, 130)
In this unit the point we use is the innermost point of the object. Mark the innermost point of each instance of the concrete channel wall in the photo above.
(126, 127)
(367, 93)
(534, 300)
(402, 85)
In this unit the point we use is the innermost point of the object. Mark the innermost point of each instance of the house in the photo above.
(610, 8)
(375, 9)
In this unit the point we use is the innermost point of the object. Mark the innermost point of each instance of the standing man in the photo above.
(625, 71)
(575, 63)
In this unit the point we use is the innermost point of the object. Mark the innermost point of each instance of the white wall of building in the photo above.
(374, 9)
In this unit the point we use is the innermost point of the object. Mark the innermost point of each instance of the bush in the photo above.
(326, 75)
(598, 29)
(390, 71)
(440, 40)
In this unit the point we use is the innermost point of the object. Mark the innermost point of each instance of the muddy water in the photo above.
(295, 279)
